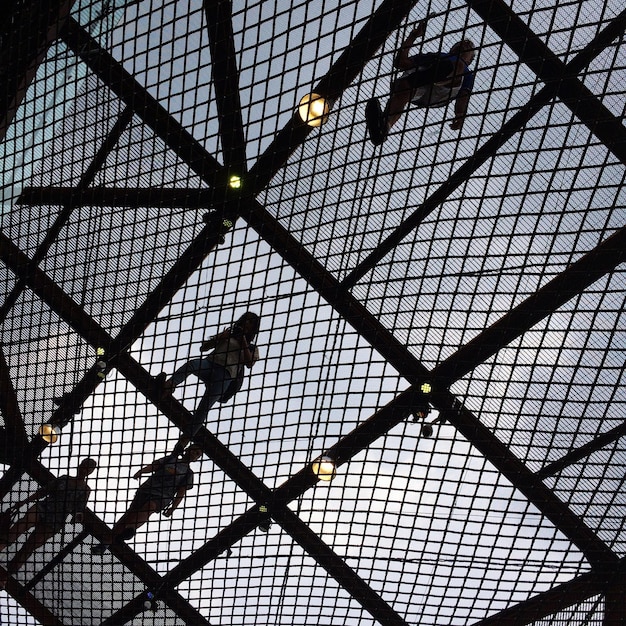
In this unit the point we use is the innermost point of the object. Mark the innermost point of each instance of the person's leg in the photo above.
(216, 378)
(429, 69)
(401, 93)
(27, 521)
(194, 366)
(135, 517)
(40, 535)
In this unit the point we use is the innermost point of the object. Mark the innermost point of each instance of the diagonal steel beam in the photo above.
(489, 149)
(83, 324)
(9, 406)
(34, 606)
(556, 599)
(226, 82)
(550, 69)
(574, 280)
(385, 20)
(145, 106)
(601, 441)
(85, 180)
(30, 28)
(615, 601)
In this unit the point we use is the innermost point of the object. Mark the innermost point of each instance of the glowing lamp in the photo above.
(49, 433)
(234, 182)
(324, 468)
(426, 388)
(314, 109)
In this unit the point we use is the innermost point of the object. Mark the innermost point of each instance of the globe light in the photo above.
(426, 388)
(49, 433)
(324, 468)
(314, 109)
(234, 182)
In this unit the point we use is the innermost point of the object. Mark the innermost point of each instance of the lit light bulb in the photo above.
(314, 109)
(426, 388)
(324, 468)
(49, 433)
(234, 182)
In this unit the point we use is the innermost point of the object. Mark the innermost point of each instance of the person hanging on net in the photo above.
(429, 80)
(222, 371)
(66, 495)
(163, 492)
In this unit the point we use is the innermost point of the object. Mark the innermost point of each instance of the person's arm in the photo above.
(36, 495)
(403, 61)
(211, 342)
(460, 109)
(180, 494)
(249, 354)
(148, 469)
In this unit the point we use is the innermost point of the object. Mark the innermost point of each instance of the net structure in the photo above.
(441, 316)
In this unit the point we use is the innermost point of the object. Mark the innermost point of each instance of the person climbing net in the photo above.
(428, 80)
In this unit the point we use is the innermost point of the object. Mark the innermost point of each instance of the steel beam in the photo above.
(85, 180)
(144, 105)
(9, 406)
(122, 197)
(578, 454)
(550, 69)
(384, 21)
(226, 82)
(34, 606)
(615, 601)
(574, 280)
(29, 29)
(554, 600)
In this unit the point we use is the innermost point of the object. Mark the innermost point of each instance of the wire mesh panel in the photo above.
(423, 335)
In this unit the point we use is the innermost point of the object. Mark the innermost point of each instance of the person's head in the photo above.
(86, 467)
(464, 49)
(249, 323)
(193, 452)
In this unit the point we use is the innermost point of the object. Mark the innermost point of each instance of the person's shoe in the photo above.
(375, 122)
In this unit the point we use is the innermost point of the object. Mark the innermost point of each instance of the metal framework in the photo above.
(561, 80)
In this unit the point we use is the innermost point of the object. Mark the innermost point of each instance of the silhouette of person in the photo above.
(64, 496)
(221, 371)
(429, 80)
(162, 493)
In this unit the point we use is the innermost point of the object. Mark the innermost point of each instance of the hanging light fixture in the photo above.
(49, 433)
(426, 387)
(314, 109)
(324, 468)
(234, 182)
